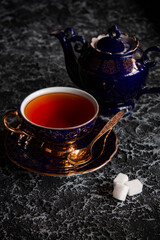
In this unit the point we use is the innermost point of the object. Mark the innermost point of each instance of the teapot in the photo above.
(112, 67)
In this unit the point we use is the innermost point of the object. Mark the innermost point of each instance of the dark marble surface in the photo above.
(38, 207)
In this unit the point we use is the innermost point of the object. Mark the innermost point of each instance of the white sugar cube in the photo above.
(134, 187)
(120, 191)
(121, 178)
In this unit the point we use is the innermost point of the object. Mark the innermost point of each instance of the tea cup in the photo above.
(58, 134)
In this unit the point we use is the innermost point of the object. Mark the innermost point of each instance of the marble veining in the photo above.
(77, 207)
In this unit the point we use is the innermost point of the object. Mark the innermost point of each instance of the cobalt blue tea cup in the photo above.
(64, 135)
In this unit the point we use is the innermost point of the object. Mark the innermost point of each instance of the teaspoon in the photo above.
(83, 155)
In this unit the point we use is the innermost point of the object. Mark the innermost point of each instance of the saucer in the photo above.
(31, 154)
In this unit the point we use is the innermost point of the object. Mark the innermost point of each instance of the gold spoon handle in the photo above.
(109, 125)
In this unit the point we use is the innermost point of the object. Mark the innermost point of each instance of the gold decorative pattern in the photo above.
(109, 67)
(128, 64)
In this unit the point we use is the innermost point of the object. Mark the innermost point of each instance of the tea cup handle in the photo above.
(18, 128)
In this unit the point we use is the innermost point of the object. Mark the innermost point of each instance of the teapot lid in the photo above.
(115, 42)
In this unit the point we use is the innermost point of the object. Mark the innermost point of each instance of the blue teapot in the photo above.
(113, 68)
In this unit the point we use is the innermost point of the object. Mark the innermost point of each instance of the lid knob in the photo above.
(114, 32)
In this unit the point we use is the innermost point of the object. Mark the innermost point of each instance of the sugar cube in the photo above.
(121, 178)
(120, 191)
(134, 187)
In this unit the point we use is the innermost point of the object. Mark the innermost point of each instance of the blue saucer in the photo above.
(32, 155)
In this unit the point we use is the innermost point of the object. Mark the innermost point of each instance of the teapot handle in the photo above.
(149, 63)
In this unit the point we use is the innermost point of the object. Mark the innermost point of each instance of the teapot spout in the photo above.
(66, 37)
